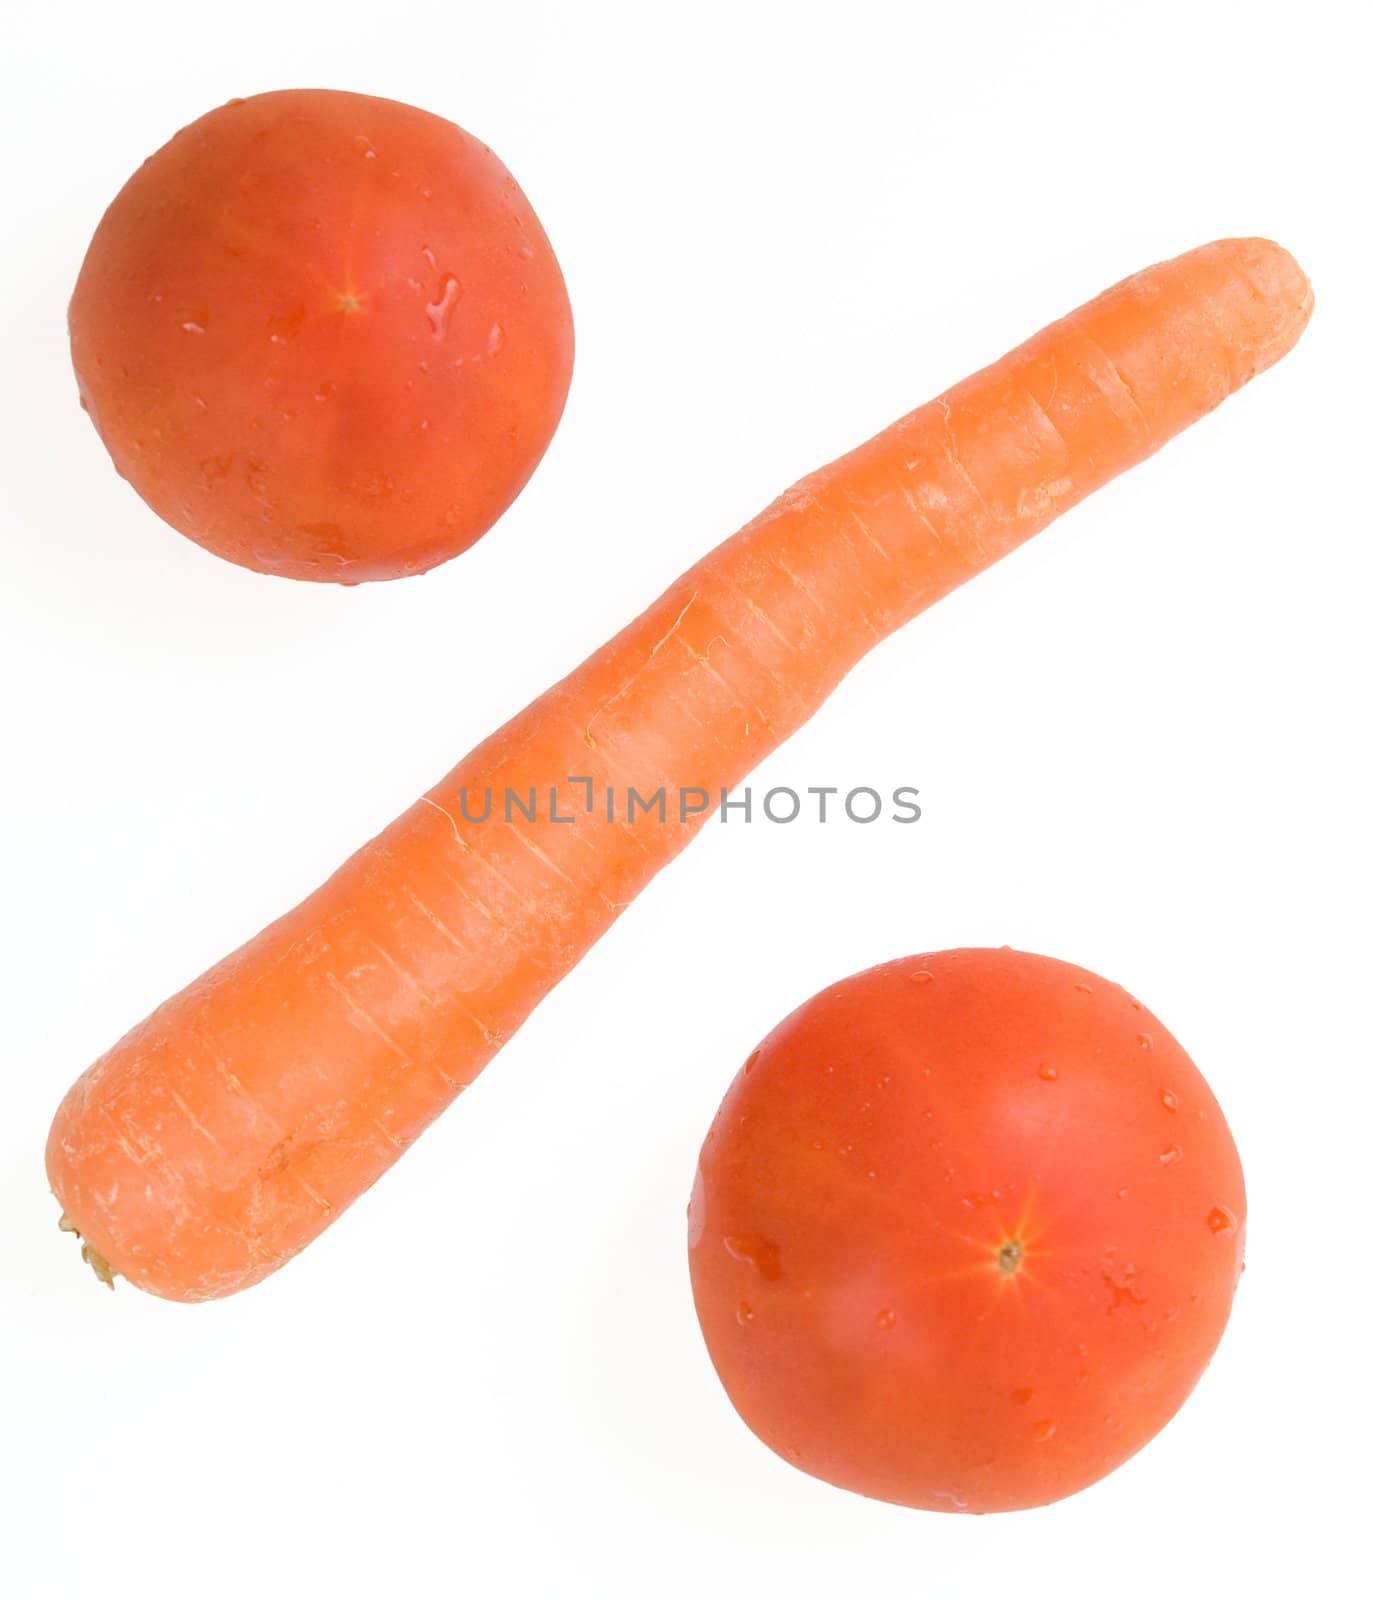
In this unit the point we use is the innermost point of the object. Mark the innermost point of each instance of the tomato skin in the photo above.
(323, 335)
(965, 1231)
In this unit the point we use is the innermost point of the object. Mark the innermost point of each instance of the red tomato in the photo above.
(965, 1231)
(323, 335)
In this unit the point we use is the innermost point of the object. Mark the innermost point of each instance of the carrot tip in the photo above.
(1278, 280)
(91, 1256)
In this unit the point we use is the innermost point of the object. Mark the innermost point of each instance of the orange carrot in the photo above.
(229, 1128)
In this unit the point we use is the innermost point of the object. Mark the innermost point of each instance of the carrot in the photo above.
(228, 1129)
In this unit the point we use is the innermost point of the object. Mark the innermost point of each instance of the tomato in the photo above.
(965, 1231)
(323, 335)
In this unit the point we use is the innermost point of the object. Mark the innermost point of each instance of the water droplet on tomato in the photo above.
(1222, 1220)
(1169, 1099)
(495, 339)
(696, 1210)
(886, 1319)
(440, 309)
(1022, 1397)
(1121, 1283)
(744, 1313)
(364, 148)
(1044, 1430)
(752, 1061)
(1085, 988)
(760, 1254)
(1048, 1073)
(1171, 1154)
(282, 328)
(922, 977)
(1146, 1041)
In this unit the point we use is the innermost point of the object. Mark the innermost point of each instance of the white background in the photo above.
(1141, 745)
